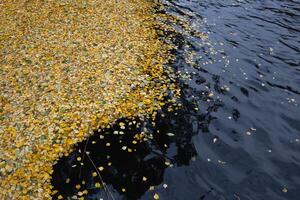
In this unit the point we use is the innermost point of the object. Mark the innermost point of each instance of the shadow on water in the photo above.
(133, 157)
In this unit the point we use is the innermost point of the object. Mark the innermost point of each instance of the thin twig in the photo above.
(103, 183)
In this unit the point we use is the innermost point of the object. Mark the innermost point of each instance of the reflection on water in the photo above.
(130, 157)
(237, 135)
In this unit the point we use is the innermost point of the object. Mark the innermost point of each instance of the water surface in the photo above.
(237, 135)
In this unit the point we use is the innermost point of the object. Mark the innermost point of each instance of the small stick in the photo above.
(103, 183)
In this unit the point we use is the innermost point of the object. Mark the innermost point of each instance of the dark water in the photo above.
(237, 135)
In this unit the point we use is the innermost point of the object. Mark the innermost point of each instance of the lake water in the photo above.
(237, 135)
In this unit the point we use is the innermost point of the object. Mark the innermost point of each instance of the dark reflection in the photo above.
(133, 158)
